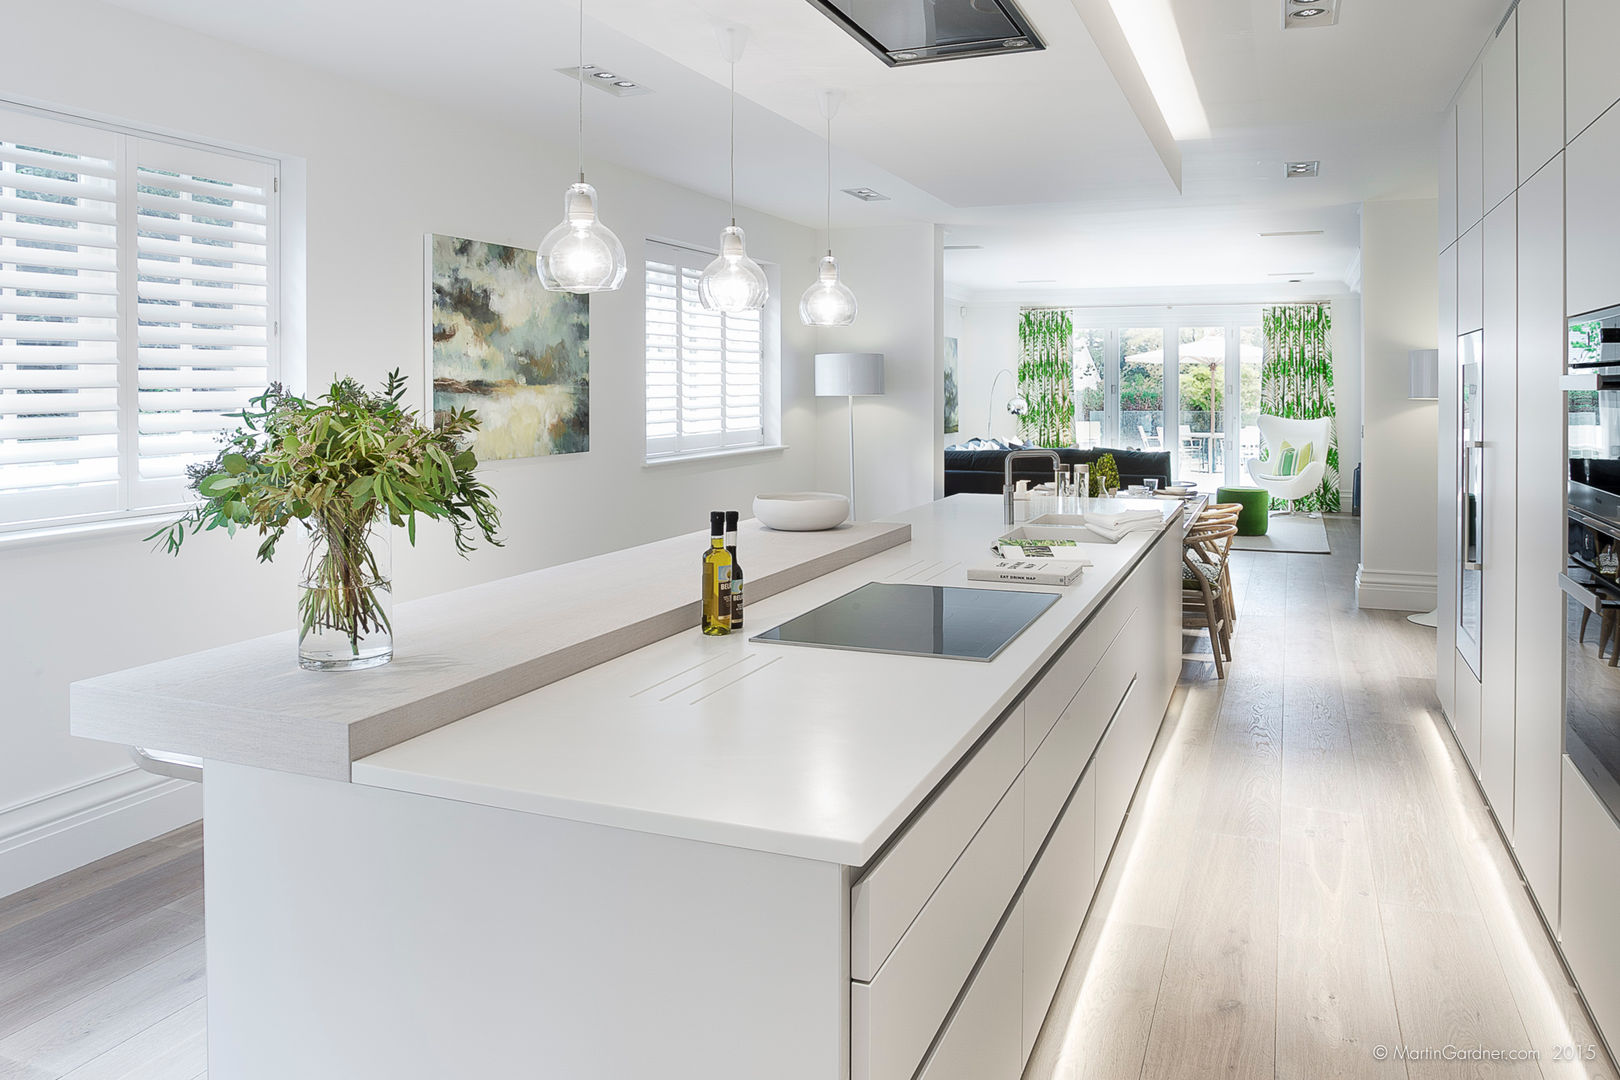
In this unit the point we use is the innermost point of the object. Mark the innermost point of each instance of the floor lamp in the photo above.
(1423, 384)
(849, 375)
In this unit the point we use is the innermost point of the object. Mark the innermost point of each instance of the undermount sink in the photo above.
(1056, 527)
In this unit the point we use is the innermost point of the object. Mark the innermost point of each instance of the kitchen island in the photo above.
(707, 857)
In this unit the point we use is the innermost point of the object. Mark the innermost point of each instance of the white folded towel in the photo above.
(1117, 518)
(1124, 529)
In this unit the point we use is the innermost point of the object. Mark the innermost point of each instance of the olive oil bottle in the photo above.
(717, 565)
(736, 571)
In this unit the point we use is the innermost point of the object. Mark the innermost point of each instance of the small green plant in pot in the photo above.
(348, 466)
(1104, 476)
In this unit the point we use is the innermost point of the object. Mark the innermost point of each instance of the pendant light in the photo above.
(828, 301)
(733, 282)
(581, 255)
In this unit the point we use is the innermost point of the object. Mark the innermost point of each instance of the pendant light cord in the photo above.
(734, 142)
(829, 178)
(580, 72)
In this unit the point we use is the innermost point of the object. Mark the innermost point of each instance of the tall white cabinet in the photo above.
(1529, 234)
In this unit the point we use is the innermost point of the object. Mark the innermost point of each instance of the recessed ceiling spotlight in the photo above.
(905, 56)
(1293, 275)
(603, 79)
(1299, 13)
(1295, 169)
(1296, 232)
(866, 194)
(964, 247)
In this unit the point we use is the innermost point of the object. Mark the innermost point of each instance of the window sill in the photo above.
(712, 455)
(144, 525)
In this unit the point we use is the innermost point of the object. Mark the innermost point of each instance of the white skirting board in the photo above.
(55, 833)
(1395, 590)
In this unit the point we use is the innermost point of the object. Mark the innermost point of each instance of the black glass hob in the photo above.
(916, 620)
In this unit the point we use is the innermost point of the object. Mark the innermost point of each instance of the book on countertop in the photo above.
(1030, 571)
(1066, 550)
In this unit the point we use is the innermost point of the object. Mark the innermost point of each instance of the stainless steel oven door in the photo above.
(1592, 675)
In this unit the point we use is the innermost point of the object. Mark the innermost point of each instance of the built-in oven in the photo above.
(1591, 580)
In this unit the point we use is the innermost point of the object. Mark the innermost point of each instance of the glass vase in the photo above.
(345, 603)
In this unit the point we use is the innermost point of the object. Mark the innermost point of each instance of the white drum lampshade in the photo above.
(849, 375)
(1424, 374)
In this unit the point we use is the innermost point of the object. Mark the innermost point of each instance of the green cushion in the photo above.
(1254, 517)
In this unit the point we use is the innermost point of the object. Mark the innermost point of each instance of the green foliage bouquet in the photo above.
(1104, 476)
(342, 465)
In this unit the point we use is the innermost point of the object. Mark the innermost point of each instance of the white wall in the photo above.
(382, 171)
(990, 344)
(1400, 309)
(900, 442)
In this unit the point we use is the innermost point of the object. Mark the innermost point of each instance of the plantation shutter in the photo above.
(137, 299)
(59, 319)
(204, 292)
(704, 369)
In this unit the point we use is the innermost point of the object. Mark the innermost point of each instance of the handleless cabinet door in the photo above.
(1538, 743)
(982, 1040)
(1592, 163)
(1501, 97)
(1446, 502)
(1592, 78)
(1471, 151)
(1448, 180)
(1470, 281)
(1499, 595)
(1541, 83)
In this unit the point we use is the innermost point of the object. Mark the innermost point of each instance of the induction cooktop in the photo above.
(916, 620)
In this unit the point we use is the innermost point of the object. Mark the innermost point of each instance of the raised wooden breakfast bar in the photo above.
(687, 857)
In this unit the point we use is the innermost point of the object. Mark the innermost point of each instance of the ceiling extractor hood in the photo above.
(901, 32)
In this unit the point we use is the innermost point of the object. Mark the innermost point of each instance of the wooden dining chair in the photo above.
(1225, 512)
(1203, 597)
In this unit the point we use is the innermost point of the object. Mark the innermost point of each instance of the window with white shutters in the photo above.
(705, 370)
(137, 299)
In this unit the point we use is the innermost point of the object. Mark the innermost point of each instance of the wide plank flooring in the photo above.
(1308, 875)
(1309, 882)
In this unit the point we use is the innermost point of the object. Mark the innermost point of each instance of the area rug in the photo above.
(1297, 533)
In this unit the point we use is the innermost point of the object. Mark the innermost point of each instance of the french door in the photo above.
(1189, 387)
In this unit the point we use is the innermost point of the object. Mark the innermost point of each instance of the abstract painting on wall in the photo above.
(952, 420)
(506, 348)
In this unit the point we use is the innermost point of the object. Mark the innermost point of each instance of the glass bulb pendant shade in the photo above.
(733, 282)
(581, 255)
(828, 301)
(1018, 405)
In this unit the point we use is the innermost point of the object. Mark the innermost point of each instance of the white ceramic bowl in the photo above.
(801, 511)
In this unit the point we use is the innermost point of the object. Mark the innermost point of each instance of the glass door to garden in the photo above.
(1206, 417)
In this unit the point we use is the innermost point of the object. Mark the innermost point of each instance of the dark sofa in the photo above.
(982, 471)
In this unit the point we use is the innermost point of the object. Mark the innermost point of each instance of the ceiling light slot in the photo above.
(866, 194)
(902, 32)
(1299, 170)
(1299, 14)
(605, 79)
(1291, 232)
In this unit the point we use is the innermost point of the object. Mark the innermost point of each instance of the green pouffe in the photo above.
(1255, 515)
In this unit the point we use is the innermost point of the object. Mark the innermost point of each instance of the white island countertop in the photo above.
(815, 753)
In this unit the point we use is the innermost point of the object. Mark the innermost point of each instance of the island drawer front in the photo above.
(1055, 900)
(894, 1018)
(1052, 772)
(1053, 691)
(896, 886)
(981, 1041)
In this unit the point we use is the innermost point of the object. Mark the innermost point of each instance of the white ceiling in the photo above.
(1037, 157)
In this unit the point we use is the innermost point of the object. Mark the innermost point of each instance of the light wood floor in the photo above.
(1313, 875)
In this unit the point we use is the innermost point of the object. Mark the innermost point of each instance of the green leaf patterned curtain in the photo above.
(1046, 377)
(1296, 381)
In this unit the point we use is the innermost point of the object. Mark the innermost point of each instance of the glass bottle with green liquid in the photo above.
(717, 564)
